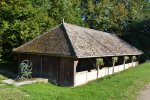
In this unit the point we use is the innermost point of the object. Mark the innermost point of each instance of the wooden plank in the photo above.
(61, 71)
(36, 66)
(66, 72)
(50, 68)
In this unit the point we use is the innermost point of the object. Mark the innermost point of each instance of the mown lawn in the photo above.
(121, 86)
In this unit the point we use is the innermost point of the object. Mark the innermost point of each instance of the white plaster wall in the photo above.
(100, 73)
(81, 78)
(110, 70)
(85, 76)
(135, 63)
(121, 67)
(106, 71)
(116, 69)
(103, 71)
(126, 66)
(92, 75)
(130, 64)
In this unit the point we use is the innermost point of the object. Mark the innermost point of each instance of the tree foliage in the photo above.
(23, 20)
(20, 22)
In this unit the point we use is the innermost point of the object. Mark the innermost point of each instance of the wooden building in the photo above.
(67, 54)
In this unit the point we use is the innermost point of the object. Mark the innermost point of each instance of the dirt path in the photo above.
(145, 94)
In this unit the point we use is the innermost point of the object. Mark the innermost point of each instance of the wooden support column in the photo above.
(97, 71)
(113, 65)
(75, 67)
(114, 60)
(125, 60)
(132, 60)
(99, 65)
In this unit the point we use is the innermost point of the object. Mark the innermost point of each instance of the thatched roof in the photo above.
(75, 41)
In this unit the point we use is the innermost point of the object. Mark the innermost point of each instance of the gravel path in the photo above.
(145, 94)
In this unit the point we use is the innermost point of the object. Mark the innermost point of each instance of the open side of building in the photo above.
(67, 54)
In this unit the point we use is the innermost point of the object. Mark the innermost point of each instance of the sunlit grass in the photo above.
(121, 86)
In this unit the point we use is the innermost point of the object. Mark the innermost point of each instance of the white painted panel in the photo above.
(126, 66)
(130, 64)
(121, 67)
(116, 69)
(85, 76)
(106, 71)
(92, 75)
(99, 73)
(103, 72)
(135, 63)
(110, 70)
(80, 78)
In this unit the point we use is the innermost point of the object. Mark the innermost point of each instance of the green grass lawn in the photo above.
(121, 86)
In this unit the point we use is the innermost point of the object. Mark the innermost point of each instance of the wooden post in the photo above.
(124, 62)
(125, 59)
(99, 63)
(97, 70)
(75, 67)
(113, 65)
(132, 61)
(115, 59)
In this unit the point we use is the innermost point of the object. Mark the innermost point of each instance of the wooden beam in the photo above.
(75, 67)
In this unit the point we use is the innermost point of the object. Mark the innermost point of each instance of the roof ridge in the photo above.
(68, 38)
(100, 43)
(79, 42)
(104, 33)
(85, 27)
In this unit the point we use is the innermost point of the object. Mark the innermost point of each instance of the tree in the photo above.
(69, 10)
(112, 16)
(23, 20)
(139, 27)
(20, 22)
